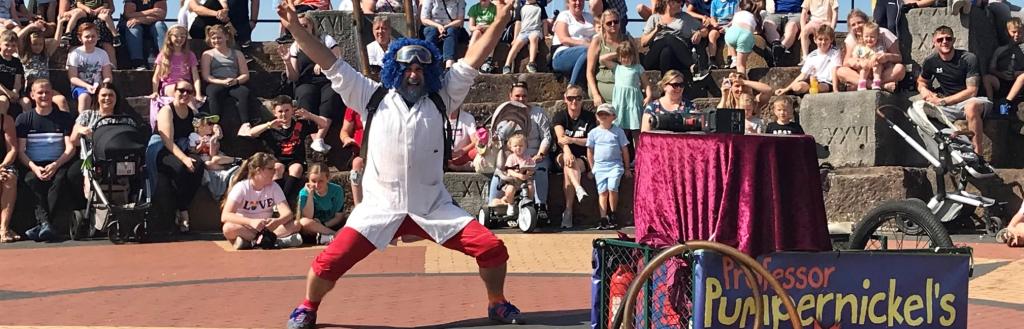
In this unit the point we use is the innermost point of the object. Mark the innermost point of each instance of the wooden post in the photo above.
(357, 15)
(410, 20)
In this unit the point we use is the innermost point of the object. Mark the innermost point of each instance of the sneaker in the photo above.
(1005, 108)
(580, 194)
(732, 63)
(319, 146)
(242, 244)
(65, 41)
(613, 224)
(46, 232)
(531, 67)
(183, 221)
(324, 239)
(567, 219)
(302, 318)
(488, 66)
(33, 233)
(291, 241)
(117, 41)
(862, 85)
(246, 45)
(284, 39)
(876, 85)
(506, 69)
(503, 312)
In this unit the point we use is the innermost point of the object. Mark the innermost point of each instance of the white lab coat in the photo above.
(403, 174)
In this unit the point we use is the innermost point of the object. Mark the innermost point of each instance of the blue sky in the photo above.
(269, 31)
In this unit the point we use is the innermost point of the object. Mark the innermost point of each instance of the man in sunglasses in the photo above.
(958, 76)
(403, 190)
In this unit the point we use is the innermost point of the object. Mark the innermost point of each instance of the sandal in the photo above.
(9, 236)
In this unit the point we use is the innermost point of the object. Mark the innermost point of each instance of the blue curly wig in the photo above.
(392, 71)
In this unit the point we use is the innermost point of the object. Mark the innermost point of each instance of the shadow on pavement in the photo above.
(551, 319)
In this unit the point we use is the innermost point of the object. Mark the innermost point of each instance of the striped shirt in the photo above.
(44, 135)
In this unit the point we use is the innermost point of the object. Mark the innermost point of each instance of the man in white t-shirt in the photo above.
(381, 39)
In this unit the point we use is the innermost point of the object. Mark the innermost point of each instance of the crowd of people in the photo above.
(590, 48)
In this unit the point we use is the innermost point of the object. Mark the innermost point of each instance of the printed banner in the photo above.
(840, 290)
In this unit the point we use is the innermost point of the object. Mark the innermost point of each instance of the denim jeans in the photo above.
(540, 183)
(572, 61)
(448, 44)
(135, 37)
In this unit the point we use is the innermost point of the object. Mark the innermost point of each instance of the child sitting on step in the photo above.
(820, 64)
(1006, 68)
(531, 30)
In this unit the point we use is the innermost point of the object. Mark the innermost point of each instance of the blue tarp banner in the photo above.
(854, 289)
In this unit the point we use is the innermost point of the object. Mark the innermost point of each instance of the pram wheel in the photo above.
(78, 229)
(884, 227)
(993, 224)
(140, 232)
(114, 232)
(527, 219)
(484, 217)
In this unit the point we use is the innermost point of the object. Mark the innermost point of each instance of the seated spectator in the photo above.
(46, 152)
(226, 72)
(380, 6)
(785, 18)
(184, 171)
(442, 24)
(302, 6)
(35, 55)
(892, 73)
(176, 62)
(721, 12)
(600, 6)
(352, 139)
(820, 65)
(205, 143)
(98, 11)
(313, 91)
(571, 128)
(9, 18)
(107, 104)
(286, 136)
(381, 40)
(530, 31)
(670, 35)
(957, 73)
(736, 85)
(8, 179)
(752, 119)
(608, 152)
(739, 36)
(672, 85)
(573, 30)
(815, 13)
(865, 52)
(889, 13)
(463, 142)
(88, 66)
(538, 142)
(784, 124)
(601, 77)
(205, 13)
(12, 74)
(481, 15)
(320, 205)
(248, 213)
(143, 20)
(1006, 68)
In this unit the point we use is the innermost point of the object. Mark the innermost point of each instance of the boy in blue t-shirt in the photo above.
(608, 151)
(320, 205)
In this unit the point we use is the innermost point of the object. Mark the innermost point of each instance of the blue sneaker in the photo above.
(33, 233)
(1005, 108)
(46, 232)
(504, 312)
(302, 318)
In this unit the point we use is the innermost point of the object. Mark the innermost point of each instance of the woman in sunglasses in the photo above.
(601, 79)
(672, 84)
(184, 172)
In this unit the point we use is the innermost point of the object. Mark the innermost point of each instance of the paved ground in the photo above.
(205, 284)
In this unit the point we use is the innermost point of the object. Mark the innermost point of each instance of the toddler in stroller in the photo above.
(516, 174)
(503, 154)
(113, 165)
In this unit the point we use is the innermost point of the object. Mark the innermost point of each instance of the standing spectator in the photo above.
(785, 14)
(88, 66)
(253, 198)
(600, 77)
(889, 13)
(740, 35)
(1006, 68)
(573, 30)
(321, 203)
(670, 35)
(442, 24)
(957, 73)
(352, 139)
(481, 15)
(8, 179)
(630, 88)
(571, 128)
(464, 141)
(530, 30)
(849, 71)
(225, 71)
(35, 53)
(142, 20)
(672, 84)
(381, 40)
(313, 91)
(537, 145)
(184, 172)
(12, 74)
(815, 13)
(46, 151)
(609, 156)
(820, 64)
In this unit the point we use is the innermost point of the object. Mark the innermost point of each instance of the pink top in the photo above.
(515, 160)
(182, 65)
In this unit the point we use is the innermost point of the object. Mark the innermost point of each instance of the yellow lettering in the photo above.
(806, 303)
(713, 289)
(843, 300)
(778, 314)
(894, 304)
(864, 303)
(947, 305)
(727, 319)
(823, 300)
(914, 303)
(928, 299)
(748, 311)
(872, 307)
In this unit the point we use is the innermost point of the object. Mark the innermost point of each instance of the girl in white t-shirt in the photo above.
(249, 209)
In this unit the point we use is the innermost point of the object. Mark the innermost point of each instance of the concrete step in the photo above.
(131, 83)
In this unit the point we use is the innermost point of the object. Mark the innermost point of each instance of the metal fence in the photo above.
(670, 288)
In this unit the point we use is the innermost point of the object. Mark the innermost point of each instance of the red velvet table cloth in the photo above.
(756, 193)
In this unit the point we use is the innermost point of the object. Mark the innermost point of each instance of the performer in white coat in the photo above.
(403, 187)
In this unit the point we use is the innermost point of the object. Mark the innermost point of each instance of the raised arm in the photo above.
(308, 44)
(479, 51)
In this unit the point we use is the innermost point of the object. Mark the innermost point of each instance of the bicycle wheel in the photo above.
(883, 227)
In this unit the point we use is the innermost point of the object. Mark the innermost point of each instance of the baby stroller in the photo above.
(508, 119)
(113, 166)
(948, 151)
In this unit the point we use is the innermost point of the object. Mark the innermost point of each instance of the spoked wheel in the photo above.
(527, 219)
(114, 232)
(993, 225)
(140, 233)
(900, 224)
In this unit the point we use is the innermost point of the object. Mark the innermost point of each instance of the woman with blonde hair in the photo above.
(248, 211)
(601, 78)
(226, 72)
(673, 85)
(736, 84)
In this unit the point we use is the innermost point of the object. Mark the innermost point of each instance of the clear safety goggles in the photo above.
(414, 53)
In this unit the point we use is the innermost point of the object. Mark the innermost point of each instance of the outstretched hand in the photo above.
(289, 18)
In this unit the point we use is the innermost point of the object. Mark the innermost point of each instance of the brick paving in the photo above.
(203, 284)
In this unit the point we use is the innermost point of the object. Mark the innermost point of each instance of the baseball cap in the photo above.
(606, 108)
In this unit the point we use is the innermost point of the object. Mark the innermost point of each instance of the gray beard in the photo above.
(411, 94)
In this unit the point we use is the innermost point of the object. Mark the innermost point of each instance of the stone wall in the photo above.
(975, 32)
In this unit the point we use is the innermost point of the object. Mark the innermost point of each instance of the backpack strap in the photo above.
(371, 109)
(449, 134)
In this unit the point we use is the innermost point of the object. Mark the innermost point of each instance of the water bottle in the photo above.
(814, 85)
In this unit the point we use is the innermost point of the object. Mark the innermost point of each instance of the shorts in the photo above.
(76, 91)
(607, 177)
(782, 19)
(525, 35)
(586, 164)
(956, 111)
(740, 38)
